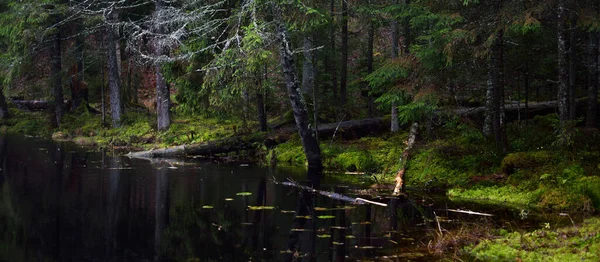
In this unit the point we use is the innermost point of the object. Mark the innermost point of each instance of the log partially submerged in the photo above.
(352, 128)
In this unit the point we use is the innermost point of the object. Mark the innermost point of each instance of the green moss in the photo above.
(503, 195)
(575, 243)
(526, 160)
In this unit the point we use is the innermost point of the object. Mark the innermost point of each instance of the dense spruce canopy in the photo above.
(415, 59)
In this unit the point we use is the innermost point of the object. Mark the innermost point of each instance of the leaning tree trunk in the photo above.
(592, 109)
(344, 51)
(307, 136)
(333, 63)
(394, 126)
(163, 99)
(563, 65)
(114, 89)
(56, 76)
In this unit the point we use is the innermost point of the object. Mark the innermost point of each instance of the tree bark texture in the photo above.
(114, 89)
(394, 125)
(494, 116)
(57, 76)
(563, 69)
(572, 67)
(592, 99)
(344, 52)
(163, 96)
(308, 70)
(307, 136)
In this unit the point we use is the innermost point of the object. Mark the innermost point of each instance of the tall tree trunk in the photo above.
(592, 110)
(57, 76)
(114, 89)
(308, 69)
(494, 115)
(163, 96)
(563, 70)
(3, 105)
(370, 65)
(344, 51)
(395, 126)
(79, 92)
(572, 68)
(260, 105)
(333, 63)
(406, 40)
(307, 136)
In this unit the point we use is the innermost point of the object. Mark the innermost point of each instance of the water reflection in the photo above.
(62, 203)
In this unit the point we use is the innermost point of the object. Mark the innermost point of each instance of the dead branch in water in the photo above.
(336, 196)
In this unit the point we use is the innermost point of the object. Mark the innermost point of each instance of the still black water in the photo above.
(60, 202)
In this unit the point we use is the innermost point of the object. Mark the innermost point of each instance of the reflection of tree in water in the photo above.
(208, 234)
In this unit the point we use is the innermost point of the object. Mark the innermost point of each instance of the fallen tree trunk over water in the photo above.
(348, 129)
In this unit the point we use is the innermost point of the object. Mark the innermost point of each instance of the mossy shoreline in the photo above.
(534, 174)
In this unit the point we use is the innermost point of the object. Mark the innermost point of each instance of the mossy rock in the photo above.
(526, 160)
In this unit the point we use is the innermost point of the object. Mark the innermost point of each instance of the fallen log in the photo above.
(350, 129)
(332, 195)
(31, 105)
(412, 137)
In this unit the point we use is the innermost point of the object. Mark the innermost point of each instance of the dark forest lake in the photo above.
(61, 202)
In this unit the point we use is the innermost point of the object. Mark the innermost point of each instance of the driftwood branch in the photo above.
(470, 212)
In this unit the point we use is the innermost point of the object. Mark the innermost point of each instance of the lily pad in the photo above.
(244, 194)
(207, 207)
(326, 217)
(324, 236)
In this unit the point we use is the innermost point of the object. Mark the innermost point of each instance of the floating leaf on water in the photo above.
(338, 243)
(407, 239)
(288, 211)
(320, 209)
(261, 207)
(365, 223)
(326, 217)
(301, 230)
(367, 247)
(247, 224)
(350, 236)
(172, 167)
(336, 227)
(324, 236)
(228, 199)
(305, 217)
(287, 251)
(207, 207)
(244, 194)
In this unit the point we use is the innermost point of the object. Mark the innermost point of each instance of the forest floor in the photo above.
(533, 174)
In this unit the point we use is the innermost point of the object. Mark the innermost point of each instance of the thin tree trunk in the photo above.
(102, 86)
(370, 64)
(307, 136)
(260, 105)
(344, 51)
(56, 76)
(563, 70)
(395, 125)
(333, 63)
(78, 88)
(3, 105)
(163, 99)
(572, 68)
(406, 37)
(592, 109)
(114, 89)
